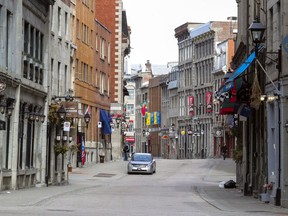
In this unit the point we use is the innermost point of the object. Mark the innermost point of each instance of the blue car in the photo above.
(141, 163)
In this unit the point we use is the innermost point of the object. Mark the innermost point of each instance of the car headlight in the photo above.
(148, 165)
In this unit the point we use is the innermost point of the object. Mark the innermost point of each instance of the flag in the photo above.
(148, 118)
(83, 152)
(87, 110)
(144, 109)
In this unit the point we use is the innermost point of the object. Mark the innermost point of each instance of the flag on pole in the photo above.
(87, 110)
(83, 152)
(144, 109)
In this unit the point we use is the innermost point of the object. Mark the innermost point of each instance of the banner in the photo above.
(83, 155)
(147, 118)
(153, 118)
(190, 101)
(158, 117)
(209, 102)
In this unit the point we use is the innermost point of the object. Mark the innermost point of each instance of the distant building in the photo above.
(197, 44)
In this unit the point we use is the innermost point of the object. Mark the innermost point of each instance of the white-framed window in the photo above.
(102, 51)
(85, 33)
(96, 42)
(109, 53)
(102, 82)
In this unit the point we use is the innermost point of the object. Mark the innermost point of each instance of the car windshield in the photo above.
(139, 157)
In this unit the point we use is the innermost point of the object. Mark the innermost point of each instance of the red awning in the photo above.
(129, 139)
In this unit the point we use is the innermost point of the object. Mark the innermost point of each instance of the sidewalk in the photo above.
(227, 199)
(79, 178)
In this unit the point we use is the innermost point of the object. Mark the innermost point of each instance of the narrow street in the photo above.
(179, 187)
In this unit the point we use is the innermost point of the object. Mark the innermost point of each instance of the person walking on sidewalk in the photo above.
(125, 151)
(224, 152)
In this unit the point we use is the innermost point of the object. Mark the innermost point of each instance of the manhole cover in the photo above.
(105, 175)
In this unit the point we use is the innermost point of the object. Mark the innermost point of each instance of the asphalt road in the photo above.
(179, 187)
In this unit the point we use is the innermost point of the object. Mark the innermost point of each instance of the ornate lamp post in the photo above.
(62, 113)
(87, 118)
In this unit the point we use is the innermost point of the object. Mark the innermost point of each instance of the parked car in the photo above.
(141, 163)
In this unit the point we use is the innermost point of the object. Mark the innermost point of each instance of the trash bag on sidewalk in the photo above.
(221, 184)
(230, 184)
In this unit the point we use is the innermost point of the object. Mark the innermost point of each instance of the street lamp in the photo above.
(257, 30)
(87, 118)
(61, 113)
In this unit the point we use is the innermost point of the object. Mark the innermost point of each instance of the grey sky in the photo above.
(153, 22)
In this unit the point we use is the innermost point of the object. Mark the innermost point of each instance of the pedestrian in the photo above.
(125, 151)
(224, 152)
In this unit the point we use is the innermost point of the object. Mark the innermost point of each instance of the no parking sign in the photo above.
(66, 126)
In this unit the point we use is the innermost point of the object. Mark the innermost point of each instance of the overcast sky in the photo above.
(153, 23)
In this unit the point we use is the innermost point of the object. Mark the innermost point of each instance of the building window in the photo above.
(59, 21)
(37, 45)
(91, 38)
(26, 37)
(59, 78)
(31, 72)
(66, 80)
(66, 25)
(52, 74)
(109, 53)
(78, 28)
(41, 47)
(102, 83)
(31, 41)
(41, 75)
(91, 75)
(25, 69)
(84, 70)
(102, 49)
(96, 42)
(85, 33)
(76, 68)
(96, 78)
(36, 74)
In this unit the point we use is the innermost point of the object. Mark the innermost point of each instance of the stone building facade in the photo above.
(197, 45)
(264, 135)
(24, 66)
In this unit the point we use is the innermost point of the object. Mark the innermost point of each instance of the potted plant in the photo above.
(60, 149)
(53, 115)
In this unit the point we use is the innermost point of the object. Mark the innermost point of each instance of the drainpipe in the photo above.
(278, 190)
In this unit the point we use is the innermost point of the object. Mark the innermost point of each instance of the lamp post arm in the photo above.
(277, 90)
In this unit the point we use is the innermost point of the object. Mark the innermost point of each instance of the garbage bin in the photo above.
(102, 158)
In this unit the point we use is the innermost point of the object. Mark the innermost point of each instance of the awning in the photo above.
(129, 139)
(106, 129)
(230, 82)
